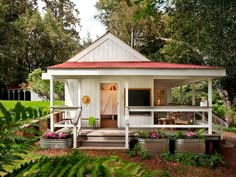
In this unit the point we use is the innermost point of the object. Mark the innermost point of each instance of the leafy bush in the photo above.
(190, 134)
(205, 160)
(230, 129)
(139, 151)
(78, 164)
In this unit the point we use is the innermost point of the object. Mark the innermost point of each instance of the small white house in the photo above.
(121, 88)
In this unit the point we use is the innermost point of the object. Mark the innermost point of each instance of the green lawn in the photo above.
(33, 104)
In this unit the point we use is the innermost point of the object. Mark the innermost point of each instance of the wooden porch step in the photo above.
(101, 148)
(104, 137)
(102, 143)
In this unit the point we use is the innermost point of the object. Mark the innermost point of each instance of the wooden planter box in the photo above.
(155, 146)
(196, 146)
(55, 143)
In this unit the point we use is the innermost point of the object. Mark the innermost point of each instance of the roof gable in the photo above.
(108, 48)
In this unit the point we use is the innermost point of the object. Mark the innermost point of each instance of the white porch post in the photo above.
(75, 128)
(126, 114)
(181, 94)
(79, 101)
(210, 106)
(51, 105)
(193, 94)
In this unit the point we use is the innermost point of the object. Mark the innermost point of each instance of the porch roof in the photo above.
(128, 65)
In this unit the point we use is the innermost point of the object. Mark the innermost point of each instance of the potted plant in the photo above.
(56, 140)
(155, 142)
(190, 142)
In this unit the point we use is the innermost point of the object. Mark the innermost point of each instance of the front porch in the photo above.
(114, 138)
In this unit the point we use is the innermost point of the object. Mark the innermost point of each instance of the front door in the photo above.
(108, 105)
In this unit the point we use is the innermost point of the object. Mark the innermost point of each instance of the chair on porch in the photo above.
(68, 122)
(71, 123)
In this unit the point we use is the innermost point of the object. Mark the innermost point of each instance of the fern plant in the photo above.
(78, 164)
(11, 143)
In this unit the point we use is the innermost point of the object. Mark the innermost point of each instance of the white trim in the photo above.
(104, 38)
(46, 76)
(51, 105)
(138, 72)
(169, 126)
(210, 104)
(169, 108)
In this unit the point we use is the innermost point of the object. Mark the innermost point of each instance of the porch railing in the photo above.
(169, 109)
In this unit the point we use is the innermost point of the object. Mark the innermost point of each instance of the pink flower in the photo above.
(190, 134)
(154, 135)
(56, 135)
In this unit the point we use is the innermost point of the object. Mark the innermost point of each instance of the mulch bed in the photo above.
(174, 169)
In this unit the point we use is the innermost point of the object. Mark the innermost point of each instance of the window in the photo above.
(139, 97)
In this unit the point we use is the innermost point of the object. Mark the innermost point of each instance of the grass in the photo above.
(33, 104)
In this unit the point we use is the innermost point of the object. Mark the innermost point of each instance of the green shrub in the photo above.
(205, 160)
(139, 151)
(230, 129)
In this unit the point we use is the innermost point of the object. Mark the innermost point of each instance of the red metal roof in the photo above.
(127, 65)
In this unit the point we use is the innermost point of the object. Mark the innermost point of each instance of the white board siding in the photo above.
(109, 51)
(108, 48)
(90, 88)
(71, 95)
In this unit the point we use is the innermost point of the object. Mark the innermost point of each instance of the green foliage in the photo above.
(30, 40)
(42, 87)
(143, 134)
(145, 30)
(219, 109)
(205, 160)
(230, 129)
(17, 120)
(198, 134)
(78, 164)
(91, 121)
(180, 134)
(65, 13)
(139, 151)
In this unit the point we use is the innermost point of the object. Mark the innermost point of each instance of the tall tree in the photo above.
(44, 41)
(30, 40)
(120, 17)
(65, 12)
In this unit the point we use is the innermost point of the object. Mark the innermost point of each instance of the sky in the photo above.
(88, 22)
